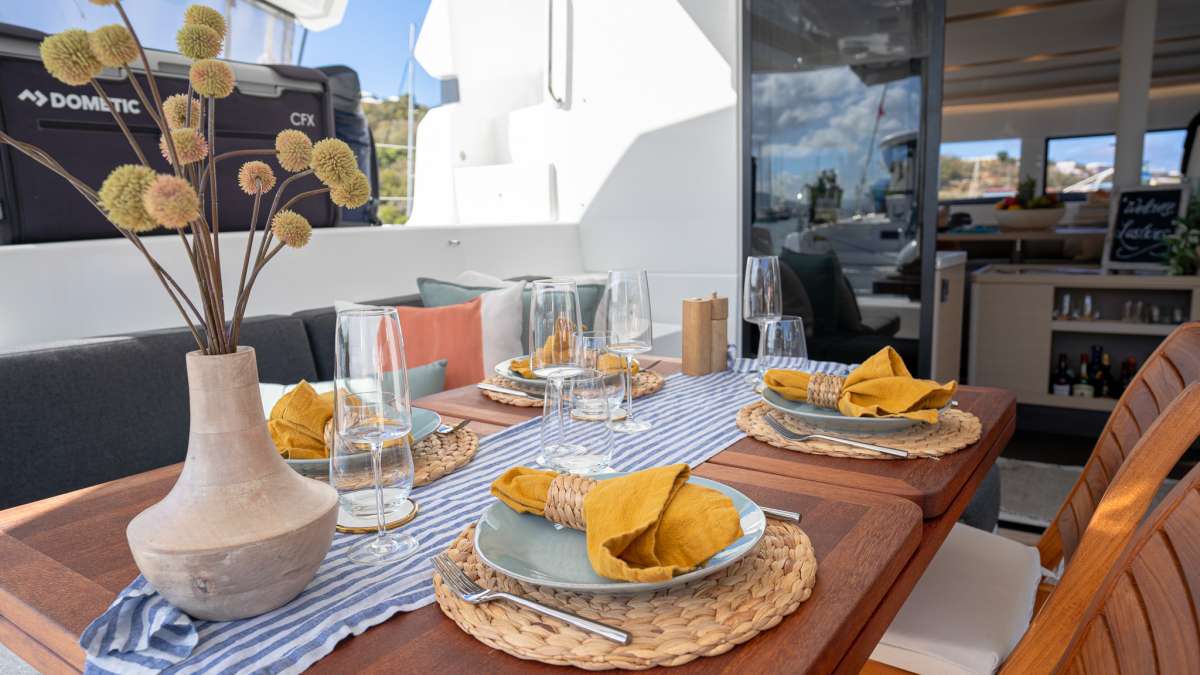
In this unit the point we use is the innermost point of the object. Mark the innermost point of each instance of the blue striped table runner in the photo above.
(140, 632)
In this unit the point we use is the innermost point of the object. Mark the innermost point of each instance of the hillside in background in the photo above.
(389, 126)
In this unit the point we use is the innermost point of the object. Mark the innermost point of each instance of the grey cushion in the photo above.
(320, 324)
(84, 412)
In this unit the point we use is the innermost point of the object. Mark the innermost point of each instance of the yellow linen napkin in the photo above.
(609, 363)
(297, 422)
(880, 387)
(643, 527)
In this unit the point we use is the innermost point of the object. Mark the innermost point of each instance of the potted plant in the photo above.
(1024, 211)
(1183, 247)
(240, 533)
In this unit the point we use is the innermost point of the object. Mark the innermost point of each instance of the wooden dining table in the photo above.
(875, 525)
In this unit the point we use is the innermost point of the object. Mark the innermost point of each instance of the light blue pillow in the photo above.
(427, 379)
(437, 293)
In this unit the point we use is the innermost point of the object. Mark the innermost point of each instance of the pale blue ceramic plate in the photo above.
(832, 420)
(425, 422)
(532, 549)
(503, 370)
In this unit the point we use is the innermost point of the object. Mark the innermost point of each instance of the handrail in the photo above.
(550, 53)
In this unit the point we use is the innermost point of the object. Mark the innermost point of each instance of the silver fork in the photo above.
(475, 594)
(793, 436)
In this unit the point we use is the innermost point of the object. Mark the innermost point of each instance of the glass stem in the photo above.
(558, 410)
(629, 387)
(377, 473)
(762, 348)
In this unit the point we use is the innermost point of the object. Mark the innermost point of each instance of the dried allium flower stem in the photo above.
(149, 78)
(137, 150)
(216, 216)
(246, 258)
(304, 195)
(137, 88)
(268, 235)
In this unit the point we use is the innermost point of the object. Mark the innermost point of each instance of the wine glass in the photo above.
(630, 332)
(585, 442)
(784, 344)
(554, 324)
(762, 299)
(372, 421)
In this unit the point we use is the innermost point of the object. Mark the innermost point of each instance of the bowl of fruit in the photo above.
(1026, 212)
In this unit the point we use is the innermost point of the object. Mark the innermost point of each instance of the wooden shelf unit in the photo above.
(1013, 334)
(1111, 327)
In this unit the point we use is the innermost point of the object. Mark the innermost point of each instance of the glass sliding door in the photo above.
(833, 137)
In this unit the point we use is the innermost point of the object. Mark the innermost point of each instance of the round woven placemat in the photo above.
(955, 430)
(646, 382)
(669, 628)
(439, 454)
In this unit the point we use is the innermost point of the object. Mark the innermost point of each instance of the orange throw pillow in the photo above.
(453, 332)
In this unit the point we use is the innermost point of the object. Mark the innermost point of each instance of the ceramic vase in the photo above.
(240, 533)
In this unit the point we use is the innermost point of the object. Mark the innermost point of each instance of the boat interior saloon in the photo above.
(507, 336)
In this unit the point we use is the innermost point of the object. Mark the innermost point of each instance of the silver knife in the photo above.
(511, 392)
(780, 514)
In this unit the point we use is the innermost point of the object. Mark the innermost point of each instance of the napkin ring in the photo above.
(564, 500)
(824, 390)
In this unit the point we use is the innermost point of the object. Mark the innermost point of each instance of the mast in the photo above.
(408, 174)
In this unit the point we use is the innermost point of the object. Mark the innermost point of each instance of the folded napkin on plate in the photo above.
(643, 527)
(297, 422)
(880, 387)
(608, 363)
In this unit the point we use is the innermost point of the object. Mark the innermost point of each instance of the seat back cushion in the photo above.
(319, 323)
(88, 411)
(437, 293)
(821, 276)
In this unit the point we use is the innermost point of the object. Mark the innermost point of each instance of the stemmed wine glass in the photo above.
(630, 332)
(762, 300)
(554, 325)
(372, 421)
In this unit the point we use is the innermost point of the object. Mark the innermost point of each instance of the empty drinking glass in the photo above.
(584, 444)
(594, 354)
(783, 344)
(762, 297)
(554, 325)
(630, 332)
(372, 460)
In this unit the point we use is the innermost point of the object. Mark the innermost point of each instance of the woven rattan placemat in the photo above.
(669, 628)
(439, 454)
(646, 382)
(955, 430)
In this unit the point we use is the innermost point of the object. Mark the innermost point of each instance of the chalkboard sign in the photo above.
(1141, 219)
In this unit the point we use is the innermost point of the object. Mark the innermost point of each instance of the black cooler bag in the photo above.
(72, 125)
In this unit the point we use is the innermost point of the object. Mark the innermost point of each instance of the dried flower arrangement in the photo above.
(137, 199)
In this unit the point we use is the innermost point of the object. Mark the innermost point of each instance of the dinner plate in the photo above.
(425, 422)
(534, 550)
(832, 420)
(503, 369)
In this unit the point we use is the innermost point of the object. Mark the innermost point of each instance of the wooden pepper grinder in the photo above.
(719, 314)
(697, 336)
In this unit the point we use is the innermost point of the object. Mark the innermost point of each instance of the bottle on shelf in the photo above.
(1098, 372)
(1104, 377)
(1060, 383)
(1083, 385)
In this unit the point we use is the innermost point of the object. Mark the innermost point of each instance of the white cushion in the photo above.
(482, 279)
(969, 610)
(501, 317)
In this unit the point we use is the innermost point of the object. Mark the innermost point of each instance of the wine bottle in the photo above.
(1060, 385)
(1083, 385)
(1104, 377)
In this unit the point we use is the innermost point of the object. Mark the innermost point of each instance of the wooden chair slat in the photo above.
(1183, 536)
(1168, 607)
(1096, 655)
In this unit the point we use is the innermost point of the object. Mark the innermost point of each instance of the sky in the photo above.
(372, 38)
(1163, 150)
